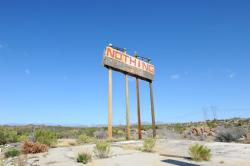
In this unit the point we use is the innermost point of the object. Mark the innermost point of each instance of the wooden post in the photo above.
(138, 108)
(110, 104)
(152, 108)
(127, 109)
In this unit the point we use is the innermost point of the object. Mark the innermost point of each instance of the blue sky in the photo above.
(51, 52)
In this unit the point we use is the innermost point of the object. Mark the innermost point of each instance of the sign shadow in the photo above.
(178, 163)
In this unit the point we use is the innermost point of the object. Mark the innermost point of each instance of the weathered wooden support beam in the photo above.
(110, 103)
(152, 108)
(127, 109)
(138, 108)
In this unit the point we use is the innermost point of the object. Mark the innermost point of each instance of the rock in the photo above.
(248, 135)
(201, 132)
(207, 129)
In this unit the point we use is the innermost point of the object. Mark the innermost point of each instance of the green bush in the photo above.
(12, 152)
(83, 157)
(179, 128)
(118, 132)
(148, 144)
(23, 138)
(84, 139)
(102, 149)
(7, 136)
(211, 124)
(199, 152)
(45, 137)
(90, 131)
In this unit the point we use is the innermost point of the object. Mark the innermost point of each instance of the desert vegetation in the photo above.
(8, 135)
(199, 152)
(148, 144)
(102, 149)
(231, 134)
(32, 148)
(84, 157)
(16, 141)
(46, 137)
(84, 139)
(213, 130)
(12, 152)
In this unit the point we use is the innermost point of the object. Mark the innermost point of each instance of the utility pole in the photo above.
(110, 104)
(138, 108)
(127, 109)
(152, 108)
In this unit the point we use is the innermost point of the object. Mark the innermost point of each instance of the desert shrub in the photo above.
(118, 132)
(84, 157)
(229, 134)
(179, 128)
(101, 134)
(7, 136)
(90, 132)
(84, 139)
(199, 152)
(148, 144)
(2, 138)
(72, 143)
(12, 152)
(45, 137)
(146, 127)
(211, 124)
(32, 148)
(23, 138)
(102, 149)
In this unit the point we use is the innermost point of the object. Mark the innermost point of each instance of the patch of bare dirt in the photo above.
(166, 153)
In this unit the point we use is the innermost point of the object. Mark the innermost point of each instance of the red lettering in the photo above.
(118, 55)
(144, 66)
(133, 61)
(110, 52)
(151, 68)
(139, 63)
(123, 57)
(126, 56)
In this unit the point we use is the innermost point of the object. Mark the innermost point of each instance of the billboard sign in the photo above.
(121, 61)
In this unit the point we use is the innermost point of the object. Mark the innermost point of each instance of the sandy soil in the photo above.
(167, 153)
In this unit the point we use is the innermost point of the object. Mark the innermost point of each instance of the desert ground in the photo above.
(228, 140)
(166, 153)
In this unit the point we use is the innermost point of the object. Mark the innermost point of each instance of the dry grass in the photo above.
(129, 147)
(66, 142)
(22, 160)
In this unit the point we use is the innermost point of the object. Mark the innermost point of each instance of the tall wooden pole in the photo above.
(138, 108)
(127, 109)
(110, 104)
(152, 108)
